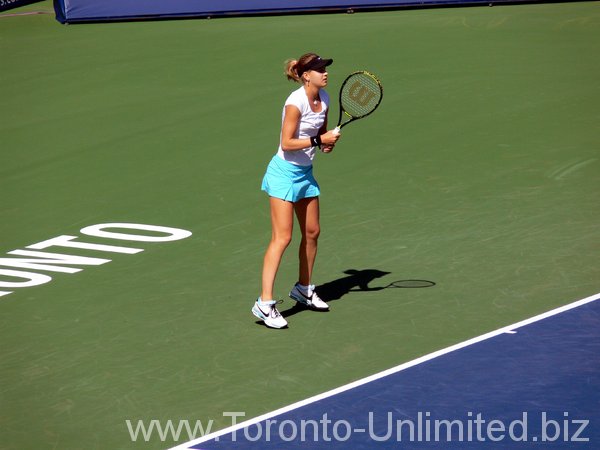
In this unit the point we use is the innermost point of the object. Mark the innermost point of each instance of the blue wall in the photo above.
(101, 10)
(8, 4)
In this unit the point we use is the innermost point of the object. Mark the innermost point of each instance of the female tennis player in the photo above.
(291, 187)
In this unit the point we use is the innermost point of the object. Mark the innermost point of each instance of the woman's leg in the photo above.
(282, 222)
(307, 211)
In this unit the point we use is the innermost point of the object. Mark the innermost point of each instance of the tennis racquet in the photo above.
(360, 95)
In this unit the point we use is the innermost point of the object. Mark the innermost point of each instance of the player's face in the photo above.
(318, 77)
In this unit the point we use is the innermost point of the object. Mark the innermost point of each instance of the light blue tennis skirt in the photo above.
(288, 181)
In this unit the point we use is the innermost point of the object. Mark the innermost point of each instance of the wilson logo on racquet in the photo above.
(361, 94)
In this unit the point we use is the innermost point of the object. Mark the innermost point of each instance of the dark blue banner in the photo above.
(9, 4)
(106, 10)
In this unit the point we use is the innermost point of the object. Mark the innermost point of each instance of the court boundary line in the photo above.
(399, 368)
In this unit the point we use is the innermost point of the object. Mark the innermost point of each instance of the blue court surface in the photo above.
(529, 385)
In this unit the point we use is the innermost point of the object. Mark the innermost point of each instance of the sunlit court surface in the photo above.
(458, 250)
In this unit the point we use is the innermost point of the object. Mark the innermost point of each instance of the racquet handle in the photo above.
(336, 130)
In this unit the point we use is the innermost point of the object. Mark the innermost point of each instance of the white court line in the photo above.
(507, 329)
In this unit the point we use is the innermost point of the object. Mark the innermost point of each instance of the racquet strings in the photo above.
(360, 95)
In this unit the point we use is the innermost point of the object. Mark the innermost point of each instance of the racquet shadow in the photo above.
(355, 281)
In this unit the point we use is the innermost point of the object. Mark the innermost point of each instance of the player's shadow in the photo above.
(356, 281)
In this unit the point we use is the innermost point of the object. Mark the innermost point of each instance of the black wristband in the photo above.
(315, 141)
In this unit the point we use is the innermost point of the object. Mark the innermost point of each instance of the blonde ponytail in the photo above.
(291, 70)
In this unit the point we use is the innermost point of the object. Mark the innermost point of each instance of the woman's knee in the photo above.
(312, 233)
(281, 240)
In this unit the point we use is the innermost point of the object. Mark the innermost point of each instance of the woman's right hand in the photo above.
(330, 138)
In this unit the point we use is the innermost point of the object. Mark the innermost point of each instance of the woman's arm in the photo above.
(290, 125)
(327, 147)
(291, 121)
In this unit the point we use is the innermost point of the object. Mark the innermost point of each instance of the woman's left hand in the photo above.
(327, 148)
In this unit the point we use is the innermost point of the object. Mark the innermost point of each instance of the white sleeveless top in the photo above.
(310, 123)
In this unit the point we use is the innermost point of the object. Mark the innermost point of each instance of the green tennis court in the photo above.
(478, 174)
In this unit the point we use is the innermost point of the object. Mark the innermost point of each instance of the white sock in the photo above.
(264, 303)
(305, 289)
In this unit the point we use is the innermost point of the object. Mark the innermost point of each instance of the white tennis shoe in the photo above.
(268, 313)
(312, 300)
